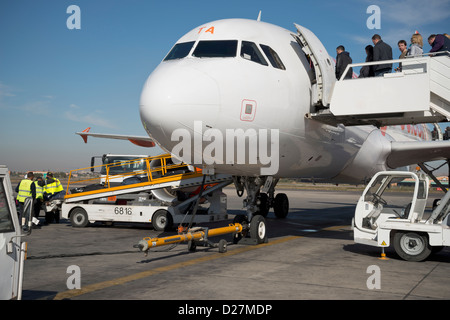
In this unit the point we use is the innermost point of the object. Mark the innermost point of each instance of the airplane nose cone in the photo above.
(175, 97)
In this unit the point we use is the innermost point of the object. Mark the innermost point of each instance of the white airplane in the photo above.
(237, 77)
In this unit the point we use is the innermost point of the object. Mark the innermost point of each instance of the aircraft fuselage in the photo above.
(235, 76)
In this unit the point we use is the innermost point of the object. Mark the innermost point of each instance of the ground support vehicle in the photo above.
(381, 220)
(143, 207)
(162, 193)
(12, 247)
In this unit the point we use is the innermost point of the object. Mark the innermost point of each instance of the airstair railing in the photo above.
(424, 58)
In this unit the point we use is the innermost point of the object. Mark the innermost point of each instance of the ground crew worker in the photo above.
(52, 190)
(39, 184)
(52, 187)
(25, 189)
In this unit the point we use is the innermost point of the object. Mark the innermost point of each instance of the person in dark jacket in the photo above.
(367, 71)
(342, 60)
(381, 51)
(438, 43)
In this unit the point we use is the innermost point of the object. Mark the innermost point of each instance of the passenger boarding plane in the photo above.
(236, 77)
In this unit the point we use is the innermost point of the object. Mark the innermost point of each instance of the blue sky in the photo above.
(55, 81)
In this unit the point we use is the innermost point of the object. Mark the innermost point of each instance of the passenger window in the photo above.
(250, 51)
(273, 57)
(216, 49)
(180, 50)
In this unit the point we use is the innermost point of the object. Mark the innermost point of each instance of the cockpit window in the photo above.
(273, 57)
(180, 50)
(250, 51)
(216, 49)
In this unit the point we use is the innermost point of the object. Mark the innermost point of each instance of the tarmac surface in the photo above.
(309, 255)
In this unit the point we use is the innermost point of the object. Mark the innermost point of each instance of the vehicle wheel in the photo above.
(192, 246)
(263, 206)
(162, 220)
(223, 246)
(258, 229)
(79, 218)
(411, 246)
(281, 205)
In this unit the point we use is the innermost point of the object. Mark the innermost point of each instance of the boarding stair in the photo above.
(160, 172)
(419, 93)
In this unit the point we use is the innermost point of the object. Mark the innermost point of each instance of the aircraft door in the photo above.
(323, 65)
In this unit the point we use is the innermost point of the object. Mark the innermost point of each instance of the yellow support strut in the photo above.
(195, 234)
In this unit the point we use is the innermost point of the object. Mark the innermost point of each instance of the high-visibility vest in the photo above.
(39, 191)
(53, 187)
(24, 190)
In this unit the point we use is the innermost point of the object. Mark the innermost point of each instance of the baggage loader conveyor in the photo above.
(160, 192)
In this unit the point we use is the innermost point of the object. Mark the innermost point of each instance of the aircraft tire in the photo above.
(258, 229)
(281, 206)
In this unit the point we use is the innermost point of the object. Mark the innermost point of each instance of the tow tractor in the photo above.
(382, 219)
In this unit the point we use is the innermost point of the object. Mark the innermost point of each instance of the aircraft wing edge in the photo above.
(141, 141)
(414, 152)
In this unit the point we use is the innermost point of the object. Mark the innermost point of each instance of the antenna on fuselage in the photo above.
(259, 16)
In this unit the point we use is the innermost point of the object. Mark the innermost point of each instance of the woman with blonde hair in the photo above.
(416, 45)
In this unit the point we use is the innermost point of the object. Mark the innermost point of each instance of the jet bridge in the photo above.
(420, 93)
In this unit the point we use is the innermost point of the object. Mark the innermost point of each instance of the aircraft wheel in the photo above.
(162, 220)
(412, 246)
(281, 205)
(79, 218)
(258, 229)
